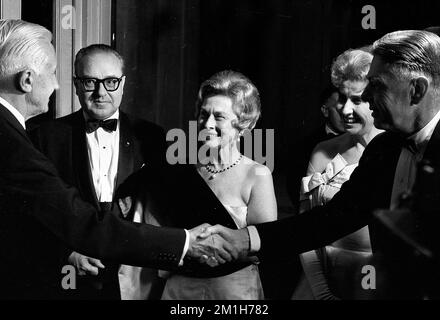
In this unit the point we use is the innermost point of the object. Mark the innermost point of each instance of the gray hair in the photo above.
(21, 47)
(411, 52)
(243, 93)
(352, 65)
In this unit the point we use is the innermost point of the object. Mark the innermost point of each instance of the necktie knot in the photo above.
(108, 125)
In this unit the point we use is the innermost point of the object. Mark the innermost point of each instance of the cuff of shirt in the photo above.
(185, 248)
(254, 239)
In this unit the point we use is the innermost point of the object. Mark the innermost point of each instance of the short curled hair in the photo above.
(411, 52)
(22, 46)
(243, 93)
(97, 48)
(352, 65)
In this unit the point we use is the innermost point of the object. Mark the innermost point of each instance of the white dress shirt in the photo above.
(14, 112)
(103, 151)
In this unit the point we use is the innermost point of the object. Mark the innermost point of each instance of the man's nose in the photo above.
(210, 122)
(100, 89)
(347, 108)
(56, 85)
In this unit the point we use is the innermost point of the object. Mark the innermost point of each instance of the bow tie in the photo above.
(108, 125)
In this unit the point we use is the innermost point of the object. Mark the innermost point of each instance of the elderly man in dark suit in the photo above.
(40, 214)
(404, 94)
(96, 148)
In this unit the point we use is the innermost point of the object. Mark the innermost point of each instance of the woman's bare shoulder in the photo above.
(255, 169)
(326, 150)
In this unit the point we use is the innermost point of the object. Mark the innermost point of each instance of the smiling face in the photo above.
(389, 99)
(217, 118)
(100, 103)
(356, 115)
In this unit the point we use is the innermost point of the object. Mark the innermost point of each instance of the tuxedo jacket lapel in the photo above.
(126, 150)
(82, 170)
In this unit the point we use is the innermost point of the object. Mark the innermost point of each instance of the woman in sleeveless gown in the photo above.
(335, 271)
(228, 104)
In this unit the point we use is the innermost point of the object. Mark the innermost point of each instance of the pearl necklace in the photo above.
(215, 172)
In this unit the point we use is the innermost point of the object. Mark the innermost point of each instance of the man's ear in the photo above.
(419, 87)
(75, 84)
(122, 83)
(24, 81)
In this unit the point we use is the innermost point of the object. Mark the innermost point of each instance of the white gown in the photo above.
(334, 271)
(244, 284)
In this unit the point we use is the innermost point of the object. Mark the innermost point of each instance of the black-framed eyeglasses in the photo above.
(91, 84)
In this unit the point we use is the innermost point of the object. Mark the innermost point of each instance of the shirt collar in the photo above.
(422, 137)
(14, 112)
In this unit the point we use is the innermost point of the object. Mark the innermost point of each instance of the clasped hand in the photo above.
(85, 265)
(217, 245)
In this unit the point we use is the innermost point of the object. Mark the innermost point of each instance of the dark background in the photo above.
(285, 47)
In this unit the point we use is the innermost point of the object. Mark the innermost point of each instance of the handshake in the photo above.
(211, 245)
(215, 245)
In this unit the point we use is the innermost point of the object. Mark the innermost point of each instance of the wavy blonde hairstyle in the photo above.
(243, 93)
(352, 65)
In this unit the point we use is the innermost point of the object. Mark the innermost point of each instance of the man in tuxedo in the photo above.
(40, 214)
(404, 94)
(96, 148)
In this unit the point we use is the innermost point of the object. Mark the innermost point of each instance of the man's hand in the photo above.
(85, 265)
(209, 248)
(238, 239)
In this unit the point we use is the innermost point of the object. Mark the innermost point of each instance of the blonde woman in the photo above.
(334, 272)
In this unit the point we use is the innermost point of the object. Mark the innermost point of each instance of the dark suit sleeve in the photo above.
(349, 210)
(153, 142)
(30, 186)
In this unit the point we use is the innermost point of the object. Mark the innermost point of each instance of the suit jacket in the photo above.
(41, 215)
(64, 142)
(368, 189)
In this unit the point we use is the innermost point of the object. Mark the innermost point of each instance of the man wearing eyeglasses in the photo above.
(96, 149)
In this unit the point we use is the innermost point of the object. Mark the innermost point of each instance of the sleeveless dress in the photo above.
(244, 284)
(334, 271)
